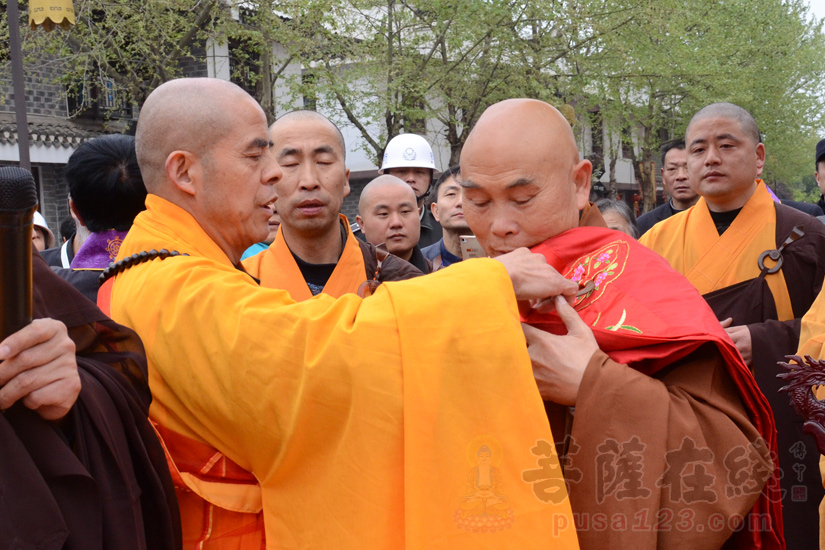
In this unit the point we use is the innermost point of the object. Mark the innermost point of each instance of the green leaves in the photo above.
(387, 66)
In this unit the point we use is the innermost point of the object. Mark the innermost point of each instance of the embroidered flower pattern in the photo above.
(595, 272)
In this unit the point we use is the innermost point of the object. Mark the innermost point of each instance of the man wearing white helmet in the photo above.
(410, 158)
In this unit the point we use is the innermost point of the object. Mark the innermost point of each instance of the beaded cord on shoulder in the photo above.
(117, 267)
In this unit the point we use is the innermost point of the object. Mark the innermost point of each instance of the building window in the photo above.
(96, 100)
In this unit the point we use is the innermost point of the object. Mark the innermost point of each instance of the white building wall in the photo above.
(217, 60)
(38, 153)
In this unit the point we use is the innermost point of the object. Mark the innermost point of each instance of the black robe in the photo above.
(100, 480)
(751, 303)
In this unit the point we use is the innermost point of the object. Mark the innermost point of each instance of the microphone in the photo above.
(18, 201)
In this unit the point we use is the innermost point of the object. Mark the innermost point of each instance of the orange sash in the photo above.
(690, 243)
(276, 268)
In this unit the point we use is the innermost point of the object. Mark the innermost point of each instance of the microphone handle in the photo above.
(15, 271)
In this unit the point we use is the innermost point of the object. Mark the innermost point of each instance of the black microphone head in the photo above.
(17, 189)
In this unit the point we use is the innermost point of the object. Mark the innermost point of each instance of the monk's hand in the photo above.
(741, 336)
(534, 279)
(39, 366)
(559, 362)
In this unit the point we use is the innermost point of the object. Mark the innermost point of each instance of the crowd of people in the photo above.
(259, 371)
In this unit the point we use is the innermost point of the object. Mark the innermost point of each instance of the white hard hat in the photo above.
(408, 151)
(40, 221)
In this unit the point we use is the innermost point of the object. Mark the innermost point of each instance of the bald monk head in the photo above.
(521, 176)
(388, 213)
(724, 155)
(311, 152)
(203, 144)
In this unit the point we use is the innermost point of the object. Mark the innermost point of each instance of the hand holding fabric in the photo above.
(741, 337)
(533, 278)
(559, 362)
(39, 367)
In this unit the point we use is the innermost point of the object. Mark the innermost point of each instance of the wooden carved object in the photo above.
(801, 378)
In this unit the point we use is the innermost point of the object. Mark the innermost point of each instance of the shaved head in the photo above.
(521, 176)
(524, 124)
(388, 213)
(373, 188)
(312, 116)
(731, 112)
(203, 145)
(185, 114)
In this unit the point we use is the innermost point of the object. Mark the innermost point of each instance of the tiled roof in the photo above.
(49, 132)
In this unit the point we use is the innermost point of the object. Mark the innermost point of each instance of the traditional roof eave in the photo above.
(50, 131)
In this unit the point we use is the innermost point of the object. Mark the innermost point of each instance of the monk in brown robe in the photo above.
(642, 381)
(728, 246)
(80, 465)
(327, 415)
(315, 250)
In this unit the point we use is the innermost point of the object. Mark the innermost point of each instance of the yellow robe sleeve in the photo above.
(360, 418)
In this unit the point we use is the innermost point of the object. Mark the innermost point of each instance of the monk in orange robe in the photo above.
(759, 264)
(655, 400)
(315, 250)
(326, 417)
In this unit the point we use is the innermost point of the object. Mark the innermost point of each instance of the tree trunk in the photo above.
(265, 85)
(648, 181)
(611, 152)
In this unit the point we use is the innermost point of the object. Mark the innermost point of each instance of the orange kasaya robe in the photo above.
(358, 434)
(648, 317)
(812, 331)
(276, 268)
(691, 244)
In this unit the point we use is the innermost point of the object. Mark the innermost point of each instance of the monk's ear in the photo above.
(581, 177)
(360, 221)
(346, 184)
(760, 158)
(183, 169)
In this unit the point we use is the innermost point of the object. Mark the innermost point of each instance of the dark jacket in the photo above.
(431, 231)
(87, 281)
(393, 268)
(649, 219)
(810, 209)
(420, 262)
(52, 255)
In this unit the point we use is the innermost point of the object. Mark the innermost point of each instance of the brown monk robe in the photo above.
(669, 443)
(99, 481)
(718, 245)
